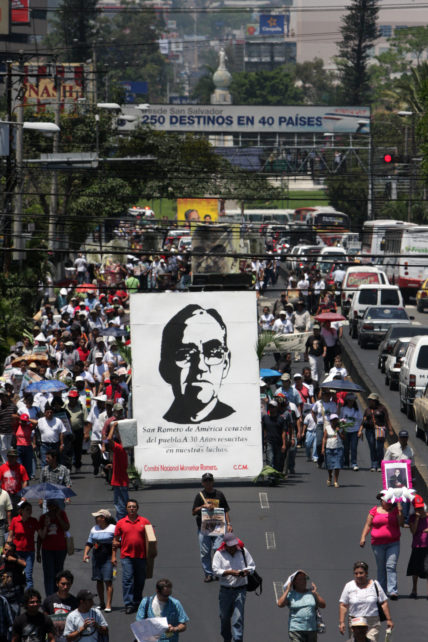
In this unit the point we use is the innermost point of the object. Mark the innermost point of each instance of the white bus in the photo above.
(373, 237)
(281, 216)
(406, 257)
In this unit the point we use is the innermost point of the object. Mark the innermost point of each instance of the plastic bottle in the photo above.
(388, 635)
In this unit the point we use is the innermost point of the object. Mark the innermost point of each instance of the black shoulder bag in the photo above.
(382, 616)
(254, 581)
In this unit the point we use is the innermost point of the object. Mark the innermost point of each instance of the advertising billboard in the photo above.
(297, 119)
(196, 385)
(197, 210)
(20, 11)
(271, 25)
(40, 89)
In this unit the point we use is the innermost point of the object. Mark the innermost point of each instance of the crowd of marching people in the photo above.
(67, 384)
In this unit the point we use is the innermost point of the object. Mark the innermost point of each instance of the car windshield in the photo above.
(387, 314)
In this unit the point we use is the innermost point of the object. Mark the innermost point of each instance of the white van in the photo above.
(359, 275)
(372, 295)
(413, 373)
(329, 254)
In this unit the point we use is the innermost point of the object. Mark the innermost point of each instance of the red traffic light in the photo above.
(387, 158)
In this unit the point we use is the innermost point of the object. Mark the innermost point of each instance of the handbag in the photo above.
(321, 627)
(69, 539)
(254, 580)
(382, 616)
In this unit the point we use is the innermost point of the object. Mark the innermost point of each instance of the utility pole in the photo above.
(7, 220)
(17, 239)
(53, 207)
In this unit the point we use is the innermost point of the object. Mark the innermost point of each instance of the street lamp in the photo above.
(51, 128)
(362, 125)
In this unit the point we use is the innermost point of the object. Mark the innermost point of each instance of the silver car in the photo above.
(375, 323)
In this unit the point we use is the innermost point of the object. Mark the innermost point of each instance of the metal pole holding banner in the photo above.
(17, 239)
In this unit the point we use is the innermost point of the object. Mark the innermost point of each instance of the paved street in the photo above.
(304, 523)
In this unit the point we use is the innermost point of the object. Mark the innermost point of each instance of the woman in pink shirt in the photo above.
(384, 523)
(418, 562)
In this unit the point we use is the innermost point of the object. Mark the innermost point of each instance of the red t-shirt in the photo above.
(12, 477)
(55, 538)
(133, 540)
(83, 354)
(23, 434)
(24, 533)
(120, 465)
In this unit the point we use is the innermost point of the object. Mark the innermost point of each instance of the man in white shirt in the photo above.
(52, 432)
(338, 275)
(401, 449)
(85, 622)
(232, 564)
(81, 266)
(267, 319)
(283, 325)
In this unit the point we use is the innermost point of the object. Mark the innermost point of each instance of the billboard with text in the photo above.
(196, 392)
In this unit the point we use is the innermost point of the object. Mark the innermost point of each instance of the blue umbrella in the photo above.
(342, 384)
(46, 385)
(47, 491)
(267, 372)
(113, 332)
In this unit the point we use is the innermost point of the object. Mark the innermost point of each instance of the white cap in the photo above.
(79, 379)
(63, 291)
(40, 337)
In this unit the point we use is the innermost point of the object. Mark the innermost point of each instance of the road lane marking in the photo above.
(264, 501)
(278, 588)
(270, 541)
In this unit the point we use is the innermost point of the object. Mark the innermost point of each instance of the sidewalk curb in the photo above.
(360, 376)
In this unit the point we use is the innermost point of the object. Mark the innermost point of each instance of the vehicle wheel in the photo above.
(363, 343)
(387, 381)
(378, 363)
(419, 307)
(382, 366)
(420, 434)
(409, 412)
(392, 385)
(354, 332)
(402, 405)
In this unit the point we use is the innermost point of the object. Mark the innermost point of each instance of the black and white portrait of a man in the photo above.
(194, 361)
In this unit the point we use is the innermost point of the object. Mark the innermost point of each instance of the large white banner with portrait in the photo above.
(196, 395)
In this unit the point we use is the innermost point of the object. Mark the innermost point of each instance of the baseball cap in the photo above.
(231, 540)
(316, 326)
(298, 376)
(273, 403)
(79, 379)
(207, 477)
(24, 417)
(73, 392)
(100, 398)
(374, 396)
(285, 377)
(63, 292)
(84, 594)
(403, 433)
(282, 312)
(118, 407)
(334, 416)
(40, 337)
(103, 512)
(418, 501)
(98, 355)
(69, 343)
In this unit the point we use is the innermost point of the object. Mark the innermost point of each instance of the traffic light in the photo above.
(387, 158)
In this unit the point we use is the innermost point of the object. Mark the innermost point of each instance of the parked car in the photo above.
(398, 331)
(376, 322)
(413, 373)
(393, 363)
(372, 295)
(355, 276)
(422, 297)
(420, 409)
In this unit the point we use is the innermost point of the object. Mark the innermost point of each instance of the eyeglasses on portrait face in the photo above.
(213, 354)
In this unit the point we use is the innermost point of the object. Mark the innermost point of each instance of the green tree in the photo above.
(275, 87)
(359, 31)
(74, 24)
(318, 85)
(348, 193)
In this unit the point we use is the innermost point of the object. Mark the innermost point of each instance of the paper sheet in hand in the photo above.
(128, 432)
(149, 630)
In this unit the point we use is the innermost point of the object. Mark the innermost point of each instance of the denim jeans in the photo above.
(376, 447)
(45, 447)
(311, 444)
(386, 560)
(29, 559)
(133, 580)
(25, 457)
(351, 444)
(232, 605)
(53, 563)
(290, 459)
(120, 499)
(273, 456)
(208, 546)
